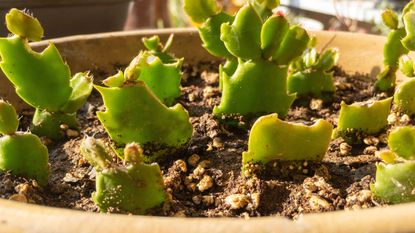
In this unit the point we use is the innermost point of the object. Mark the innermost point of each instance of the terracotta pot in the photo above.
(72, 17)
(103, 52)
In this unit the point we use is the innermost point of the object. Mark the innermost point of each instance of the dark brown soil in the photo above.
(206, 180)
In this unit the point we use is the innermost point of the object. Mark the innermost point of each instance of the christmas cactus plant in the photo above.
(133, 187)
(395, 177)
(21, 153)
(400, 41)
(312, 75)
(134, 110)
(258, 46)
(42, 80)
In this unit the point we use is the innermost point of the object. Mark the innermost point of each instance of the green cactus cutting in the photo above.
(362, 117)
(312, 75)
(42, 80)
(273, 139)
(395, 178)
(135, 114)
(134, 187)
(258, 48)
(402, 142)
(400, 41)
(21, 153)
(160, 71)
(404, 97)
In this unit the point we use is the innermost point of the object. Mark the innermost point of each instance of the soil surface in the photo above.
(205, 180)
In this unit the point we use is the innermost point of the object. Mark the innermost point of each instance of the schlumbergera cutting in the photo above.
(135, 111)
(400, 41)
(272, 139)
(395, 177)
(21, 153)
(312, 75)
(133, 187)
(42, 80)
(258, 46)
(361, 119)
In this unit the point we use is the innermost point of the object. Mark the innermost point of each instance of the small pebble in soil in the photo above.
(70, 133)
(405, 119)
(237, 201)
(345, 148)
(198, 171)
(371, 141)
(193, 160)
(318, 203)
(205, 183)
(316, 104)
(181, 164)
(370, 150)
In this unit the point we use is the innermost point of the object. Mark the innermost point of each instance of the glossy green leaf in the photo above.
(409, 40)
(160, 71)
(153, 43)
(210, 34)
(273, 139)
(41, 80)
(392, 51)
(406, 66)
(328, 59)
(313, 83)
(24, 25)
(82, 85)
(256, 87)
(242, 38)
(228, 69)
(404, 97)
(312, 74)
(8, 118)
(24, 155)
(272, 33)
(390, 19)
(162, 79)
(293, 45)
(201, 10)
(117, 80)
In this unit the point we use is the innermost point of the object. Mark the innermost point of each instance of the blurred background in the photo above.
(73, 17)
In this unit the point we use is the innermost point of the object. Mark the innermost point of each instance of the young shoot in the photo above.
(159, 70)
(312, 75)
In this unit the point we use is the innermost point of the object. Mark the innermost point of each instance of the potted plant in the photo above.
(225, 167)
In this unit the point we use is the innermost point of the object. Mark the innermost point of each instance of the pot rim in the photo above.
(32, 218)
(30, 4)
